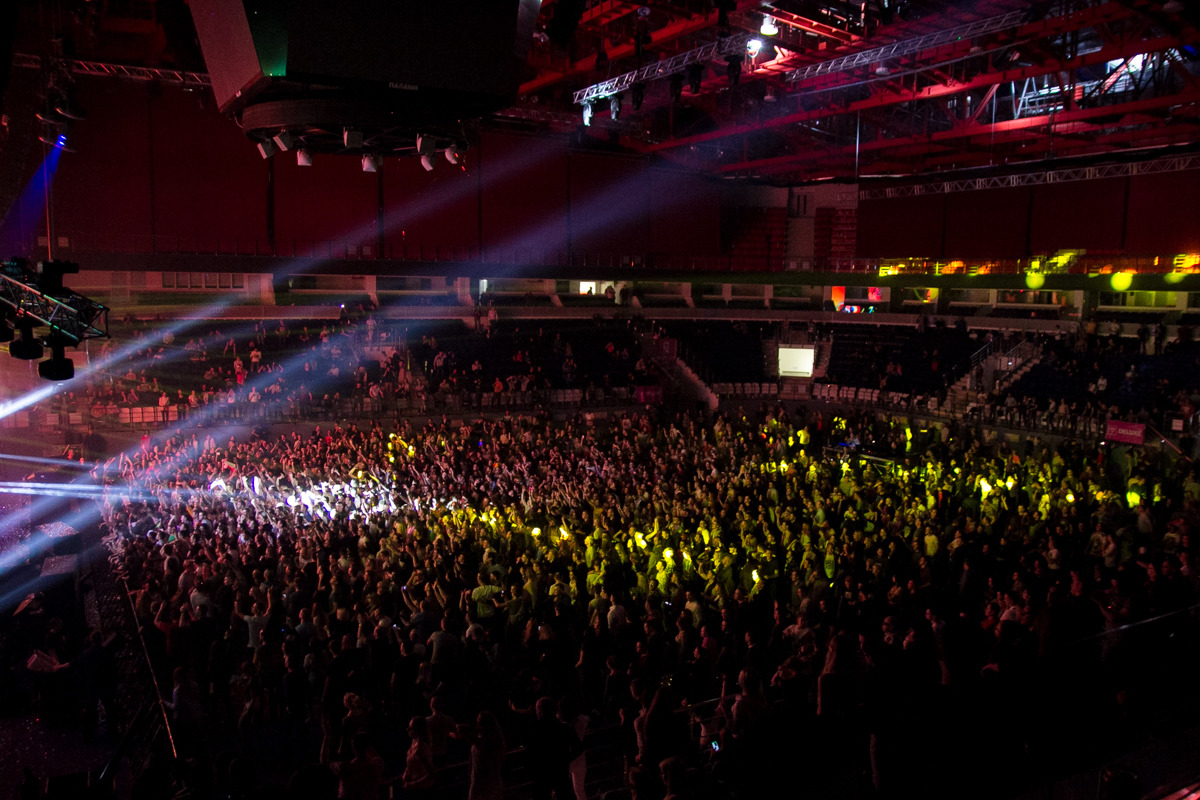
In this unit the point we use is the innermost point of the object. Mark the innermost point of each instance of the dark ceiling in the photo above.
(840, 91)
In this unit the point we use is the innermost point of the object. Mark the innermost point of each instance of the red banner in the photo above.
(1127, 432)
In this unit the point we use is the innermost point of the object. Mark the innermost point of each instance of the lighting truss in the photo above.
(173, 77)
(1070, 175)
(906, 47)
(665, 68)
(70, 315)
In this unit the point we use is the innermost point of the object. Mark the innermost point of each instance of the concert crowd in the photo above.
(727, 601)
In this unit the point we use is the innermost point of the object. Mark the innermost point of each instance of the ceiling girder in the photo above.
(1088, 17)
(998, 130)
(985, 80)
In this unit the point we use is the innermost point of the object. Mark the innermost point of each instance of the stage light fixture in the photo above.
(770, 96)
(351, 139)
(614, 107)
(695, 76)
(587, 114)
(65, 108)
(48, 277)
(733, 69)
(769, 28)
(427, 162)
(452, 153)
(370, 163)
(58, 367)
(638, 95)
(882, 71)
(754, 47)
(676, 87)
(27, 348)
(303, 158)
(266, 149)
(56, 135)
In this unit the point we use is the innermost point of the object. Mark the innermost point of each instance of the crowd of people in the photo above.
(721, 595)
(356, 365)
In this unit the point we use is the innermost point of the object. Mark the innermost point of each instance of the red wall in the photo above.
(1141, 215)
(907, 227)
(1164, 213)
(158, 171)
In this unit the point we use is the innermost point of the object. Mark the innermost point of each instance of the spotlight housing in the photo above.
(370, 163)
(284, 141)
(733, 69)
(27, 348)
(676, 87)
(303, 158)
(452, 153)
(427, 162)
(769, 28)
(58, 367)
(266, 149)
(614, 107)
(352, 139)
(638, 94)
(695, 76)
(587, 114)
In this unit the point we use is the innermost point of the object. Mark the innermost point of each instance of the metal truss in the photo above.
(906, 47)
(561, 119)
(1071, 175)
(72, 315)
(174, 77)
(731, 45)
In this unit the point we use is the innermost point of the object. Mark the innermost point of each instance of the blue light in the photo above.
(62, 139)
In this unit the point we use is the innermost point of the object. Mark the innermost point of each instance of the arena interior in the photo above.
(693, 399)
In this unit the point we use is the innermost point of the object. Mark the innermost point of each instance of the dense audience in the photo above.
(293, 370)
(718, 591)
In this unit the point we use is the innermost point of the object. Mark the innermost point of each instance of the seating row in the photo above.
(746, 389)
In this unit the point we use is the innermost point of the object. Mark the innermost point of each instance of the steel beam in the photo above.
(1050, 122)
(658, 38)
(1093, 15)
(984, 80)
(907, 47)
(99, 68)
(665, 68)
(811, 26)
(72, 315)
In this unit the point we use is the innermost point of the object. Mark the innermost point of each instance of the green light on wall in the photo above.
(1174, 277)
(1121, 281)
(1035, 280)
